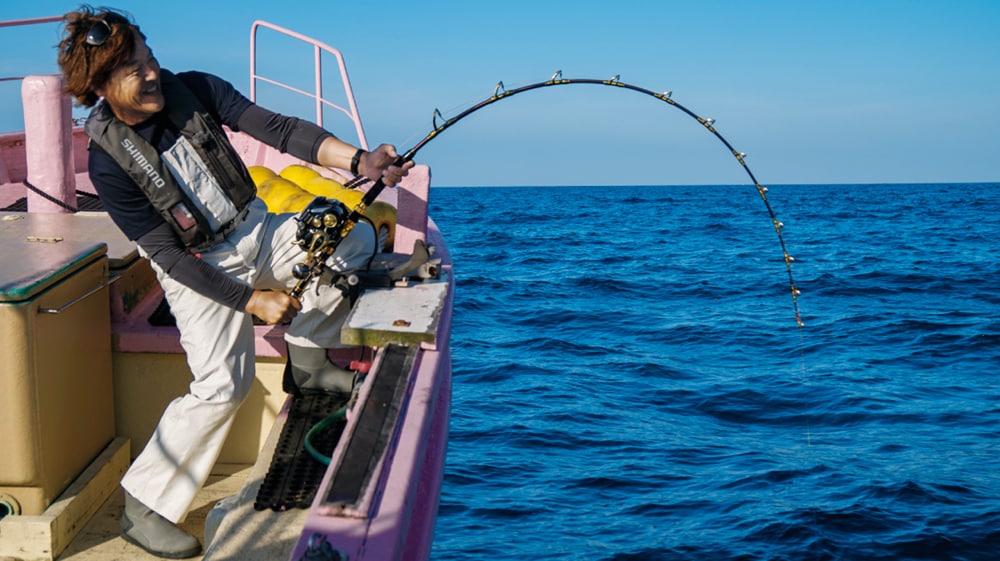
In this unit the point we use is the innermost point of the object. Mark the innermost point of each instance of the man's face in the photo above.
(133, 90)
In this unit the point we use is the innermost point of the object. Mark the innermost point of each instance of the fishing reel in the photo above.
(322, 226)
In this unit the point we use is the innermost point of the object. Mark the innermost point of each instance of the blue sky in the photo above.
(813, 92)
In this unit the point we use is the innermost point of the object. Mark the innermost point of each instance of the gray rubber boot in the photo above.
(312, 370)
(154, 533)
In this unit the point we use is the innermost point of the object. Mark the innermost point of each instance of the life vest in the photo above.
(199, 185)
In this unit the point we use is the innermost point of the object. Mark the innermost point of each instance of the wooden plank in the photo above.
(45, 536)
(407, 315)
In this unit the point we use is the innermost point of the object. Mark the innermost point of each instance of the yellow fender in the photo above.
(297, 185)
(299, 174)
(323, 187)
(383, 216)
(275, 191)
(260, 174)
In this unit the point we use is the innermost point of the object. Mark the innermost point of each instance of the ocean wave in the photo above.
(629, 383)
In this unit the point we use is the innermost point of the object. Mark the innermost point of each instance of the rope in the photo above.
(48, 197)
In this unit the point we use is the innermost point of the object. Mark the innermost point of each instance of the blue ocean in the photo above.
(630, 382)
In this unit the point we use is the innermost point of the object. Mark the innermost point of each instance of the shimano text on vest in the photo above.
(147, 167)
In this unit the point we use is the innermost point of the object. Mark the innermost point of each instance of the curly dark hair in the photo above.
(87, 67)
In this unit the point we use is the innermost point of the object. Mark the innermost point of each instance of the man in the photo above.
(170, 180)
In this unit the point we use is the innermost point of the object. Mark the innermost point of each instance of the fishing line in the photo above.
(500, 93)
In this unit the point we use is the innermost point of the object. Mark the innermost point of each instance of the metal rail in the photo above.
(20, 22)
(317, 96)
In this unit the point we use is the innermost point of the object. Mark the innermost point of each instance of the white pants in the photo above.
(219, 342)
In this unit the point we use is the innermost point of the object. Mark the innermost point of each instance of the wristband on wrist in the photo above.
(356, 160)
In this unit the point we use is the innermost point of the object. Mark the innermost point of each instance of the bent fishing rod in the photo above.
(335, 228)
